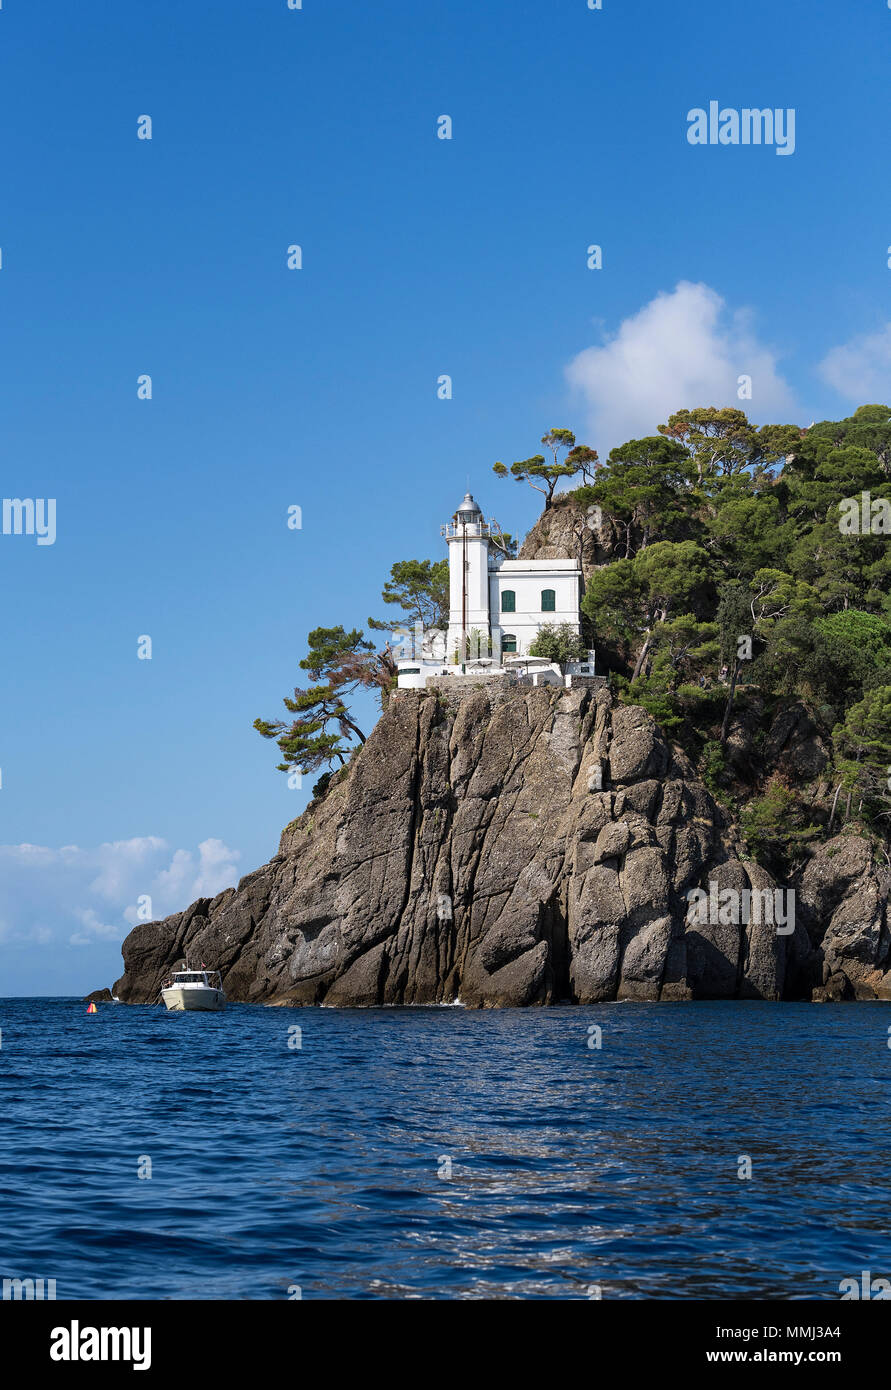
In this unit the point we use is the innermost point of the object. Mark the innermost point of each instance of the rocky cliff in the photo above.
(519, 847)
(570, 527)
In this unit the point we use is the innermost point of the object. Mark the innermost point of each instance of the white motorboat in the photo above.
(194, 989)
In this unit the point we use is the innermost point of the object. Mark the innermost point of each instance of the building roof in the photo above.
(511, 568)
(468, 508)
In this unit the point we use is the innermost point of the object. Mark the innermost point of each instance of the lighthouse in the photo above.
(497, 605)
(497, 601)
(467, 537)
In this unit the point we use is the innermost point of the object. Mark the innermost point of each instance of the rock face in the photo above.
(844, 903)
(568, 529)
(791, 745)
(511, 848)
(571, 527)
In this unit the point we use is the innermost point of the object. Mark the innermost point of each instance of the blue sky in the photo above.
(317, 387)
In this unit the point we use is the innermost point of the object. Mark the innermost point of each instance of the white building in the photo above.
(497, 606)
(506, 601)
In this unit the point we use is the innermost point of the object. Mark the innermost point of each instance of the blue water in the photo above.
(572, 1167)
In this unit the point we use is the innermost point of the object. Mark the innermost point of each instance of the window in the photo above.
(508, 601)
(509, 641)
(548, 601)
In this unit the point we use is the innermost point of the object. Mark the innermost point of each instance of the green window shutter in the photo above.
(508, 642)
(508, 601)
(548, 601)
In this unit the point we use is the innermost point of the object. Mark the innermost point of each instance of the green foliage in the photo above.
(723, 444)
(686, 647)
(714, 767)
(306, 743)
(613, 601)
(653, 694)
(339, 663)
(719, 522)
(682, 647)
(853, 633)
(499, 540)
(328, 647)
(421, 589)
(733, 618)
(829, 661)
(745, 528)
(701, 705)
(639, 595)
(776, 595)
(645, 486)
(628, 596)
(544, 476)
(558, 642)
(862, 745)
(776, 827)
(321, 787)
(669, 573)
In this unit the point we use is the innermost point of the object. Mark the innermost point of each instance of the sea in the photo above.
(631, 1151)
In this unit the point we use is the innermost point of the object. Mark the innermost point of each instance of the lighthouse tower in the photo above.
(497, 606)
(467, 536)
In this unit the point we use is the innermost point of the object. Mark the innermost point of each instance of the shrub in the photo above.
(559, 642)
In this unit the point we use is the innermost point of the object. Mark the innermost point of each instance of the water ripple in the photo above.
(405, 1153)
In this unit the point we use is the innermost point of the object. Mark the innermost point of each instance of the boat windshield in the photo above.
(189, 979)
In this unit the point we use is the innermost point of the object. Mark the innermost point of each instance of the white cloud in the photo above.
(118, 861)
(34, 935)
(89, 895)
(683, 349)
(93, 926)
(187, 878)
(861, 369)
